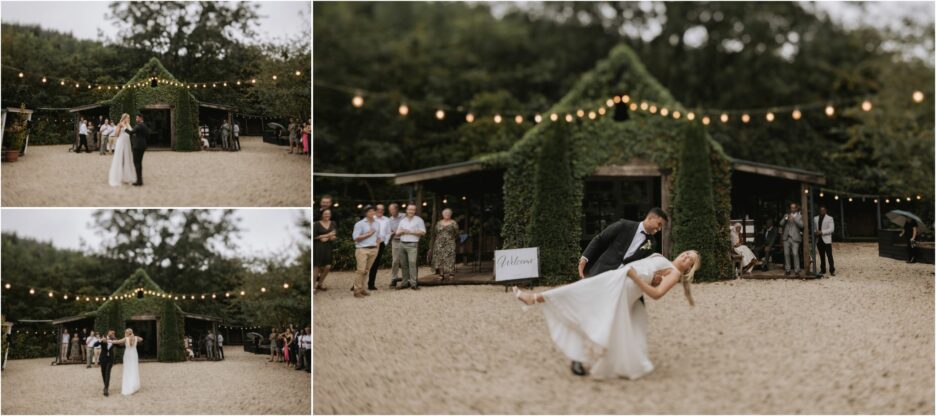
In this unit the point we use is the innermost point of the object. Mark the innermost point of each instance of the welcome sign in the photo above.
(518, 263)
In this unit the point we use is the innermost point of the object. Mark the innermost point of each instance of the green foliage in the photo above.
(553, 189)
(185, 113)
(593, 144)
(25, 345)
(693, 208)
(171, 328)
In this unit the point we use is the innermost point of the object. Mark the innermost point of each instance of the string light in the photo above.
(7, 285)
(554, 117)
(274, 77)
(724, 118)
(518, 119)
(616, 99)
(440, 114)
(580, 113)
(404, 110)
(644, 106)
(601, 111)
(676, 115)
(664, 112)
(285, 285)
(610, 102)
(797, 114)
(469, 118)
(539, 118)
(592, 115)
(43, 80)
(568, 118)
(498, 118)
(625, 99)
(770, 117)
(918, 96)
(357, 101)
(32, 291)
(298, 73)
(705, 120)
(829, 110)
(745, 118)
(866, 105)
(690, 116)
(653, 109)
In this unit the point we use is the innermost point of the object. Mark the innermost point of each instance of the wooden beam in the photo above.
(405, 178)
(635, 167)
(778, 173)
(807, 236)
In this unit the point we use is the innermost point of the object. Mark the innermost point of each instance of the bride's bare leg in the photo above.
(530, 297)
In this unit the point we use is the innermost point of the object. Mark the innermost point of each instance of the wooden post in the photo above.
(665, 196)
(807, 236)
(877, 206)
(480, 232)
(842, 218)
(419, 198)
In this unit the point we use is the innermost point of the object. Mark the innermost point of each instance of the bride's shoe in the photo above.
(519, 293)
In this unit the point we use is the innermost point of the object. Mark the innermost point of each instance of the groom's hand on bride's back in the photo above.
(581, 269)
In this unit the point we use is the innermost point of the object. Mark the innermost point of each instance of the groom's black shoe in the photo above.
(578, 369)
(106, 393)
(138, 184)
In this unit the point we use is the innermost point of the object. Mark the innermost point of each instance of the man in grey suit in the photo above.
(792, 225)
(226, 135)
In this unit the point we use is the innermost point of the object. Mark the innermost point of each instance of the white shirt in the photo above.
(236, 129)
(220, 340)
(414, 224)
(107, 130)
(91, 340)
(82, 129)
(65, 338)
(305, 342)
(636, 242)
(383, 228)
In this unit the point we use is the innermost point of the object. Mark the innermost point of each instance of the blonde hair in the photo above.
(689, 276)
(128, 331)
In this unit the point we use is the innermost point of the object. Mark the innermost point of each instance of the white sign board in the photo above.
(518, 263)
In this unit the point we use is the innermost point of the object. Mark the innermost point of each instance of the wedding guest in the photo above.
(89, 349)
(82, 136)
(383, 235)
(306, 342)
(395, 217)
(824, 226)
(291, 131)
(225, 135)
(911, 230)
(92, 138)
(209, 346)
(306, 136)
(770, 238)
(324, 204)
(74, 351)
(410, 229)
(204, 134)
(792, 237)
(220, 345)
(289, 352)
(323, 247)
(273, 337)
(83, 344)
(97, 349)
(190, 355)
(63, 349)
(748, 259)
(366, 243)
(280, 345)
(443, 245)
(236, 132)
(107, 136)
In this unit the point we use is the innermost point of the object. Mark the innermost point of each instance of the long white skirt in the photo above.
(131, 372)
(600, 322)
(747, 256)
(122, 169)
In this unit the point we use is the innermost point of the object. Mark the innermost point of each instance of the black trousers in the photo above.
(372, 279)
(83, 141)
(221, 351)
(138, 164)
(911, 251)
(825, 250)
(105, 373)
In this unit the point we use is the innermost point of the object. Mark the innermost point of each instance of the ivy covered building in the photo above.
(563, 182)
(169, 109)
(140, 304)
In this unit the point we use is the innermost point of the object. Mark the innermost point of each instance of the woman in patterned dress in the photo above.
(443, 245)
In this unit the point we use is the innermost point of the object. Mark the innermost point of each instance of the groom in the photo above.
(617, 245)
(106, 360)
(138, 144)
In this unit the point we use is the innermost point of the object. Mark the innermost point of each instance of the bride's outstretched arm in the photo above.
(669, 280)
(121, 341)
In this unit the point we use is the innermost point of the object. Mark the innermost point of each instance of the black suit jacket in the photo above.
(139, 135)
(107, 355)
(606, 250)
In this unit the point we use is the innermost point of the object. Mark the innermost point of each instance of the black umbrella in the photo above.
(276, 126)
(900, 217)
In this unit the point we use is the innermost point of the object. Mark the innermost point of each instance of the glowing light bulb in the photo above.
(7, 285)
(610, 103)
(690, 116)
(568, 118)
(632, 106)
(285, 285)
(601, 111)
(274, 77)
(664, 112)
(404, 110)
(580, 113)
(51, 295)
(32, 291)
(625, 99)
(770, 117)
(538, 118)
(263, 289)
(592, 115)
(242, 293)
(43, 80)
(918, 96)
(866, 105)
(498, 118)
(440, 114)
(518, 119)
(706, 120)
(469, 118)
(724, 118)
(797, 114)
(298, 73)
(357, 101)
(653, 109)
(21, 75)
(829, 111)
(554, 117)
(644, 106)
(677, 115)
(745, 118)
(616, 99)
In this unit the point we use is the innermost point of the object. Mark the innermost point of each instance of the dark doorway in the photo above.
(159, 122)
(146, 330)
(610, 199)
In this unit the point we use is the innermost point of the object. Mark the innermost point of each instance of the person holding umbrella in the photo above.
(912, 226)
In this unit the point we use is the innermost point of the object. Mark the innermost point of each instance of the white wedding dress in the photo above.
(122, 169)
(600, 322)
(131, 368)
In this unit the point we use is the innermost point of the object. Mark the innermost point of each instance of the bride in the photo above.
(131, 362)
(599, 322)
(122, 169)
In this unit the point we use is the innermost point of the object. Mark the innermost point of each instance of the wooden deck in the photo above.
(777, 273)
(471, 274)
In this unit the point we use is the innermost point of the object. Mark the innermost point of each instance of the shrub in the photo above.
(693, 219)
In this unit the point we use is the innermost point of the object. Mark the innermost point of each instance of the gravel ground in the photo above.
(260, 175)
(243, 383)
(860, 342)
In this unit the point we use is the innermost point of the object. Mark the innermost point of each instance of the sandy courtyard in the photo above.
(860, 342)
(260, 175)
(243, 383)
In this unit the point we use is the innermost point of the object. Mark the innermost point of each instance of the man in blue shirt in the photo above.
(366, 243)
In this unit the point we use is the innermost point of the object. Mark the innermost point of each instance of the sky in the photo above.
(264, 231)
(278, 19)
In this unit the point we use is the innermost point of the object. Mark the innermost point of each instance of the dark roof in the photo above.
(201, 317)
(815, 178)
(218, 106)
(71, 319)
(87, 107)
